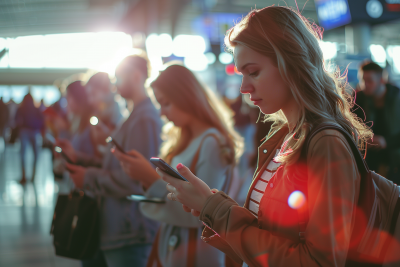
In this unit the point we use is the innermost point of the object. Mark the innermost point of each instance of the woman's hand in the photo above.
(196, 213)
(137, 167)
(67, 148)
(77, 174)
(192, 194)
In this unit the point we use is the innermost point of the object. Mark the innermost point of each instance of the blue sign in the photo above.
(333, 13)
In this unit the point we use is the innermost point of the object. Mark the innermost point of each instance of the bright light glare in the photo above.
(394, 56)
(378, 54)
(165, 43)
(196, 62)
(210, 57)
(329, 50)
(187, 45)
(94, 120)
(225, 58)
(73, 50)
(296, 200)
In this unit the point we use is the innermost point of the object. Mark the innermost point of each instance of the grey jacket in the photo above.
(122, 223)
(175, 221)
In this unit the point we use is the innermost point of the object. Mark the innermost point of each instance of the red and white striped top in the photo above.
(261, 184)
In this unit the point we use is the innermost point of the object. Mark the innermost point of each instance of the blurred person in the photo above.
(277, 51)
(81, 110)
(245, 126)
(126, 235)
(4, 117)
(30, 122)
(202, 137)
(379, 102)
(107, 110)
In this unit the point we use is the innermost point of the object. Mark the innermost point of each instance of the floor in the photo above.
(26, 211)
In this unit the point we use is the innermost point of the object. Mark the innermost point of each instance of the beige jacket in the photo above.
(272, 239)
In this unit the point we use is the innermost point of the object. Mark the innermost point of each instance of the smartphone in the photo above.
(141, 198)
(111, 140)
(59, 150)
(166, 168)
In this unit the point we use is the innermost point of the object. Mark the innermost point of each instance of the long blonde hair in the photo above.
(182, 88)
(291, 42)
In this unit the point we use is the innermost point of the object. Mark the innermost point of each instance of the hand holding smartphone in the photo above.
(59, 150)
(162, 165)
(111, 140)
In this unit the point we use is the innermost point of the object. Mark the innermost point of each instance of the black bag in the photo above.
(75, 226)
(14, 135)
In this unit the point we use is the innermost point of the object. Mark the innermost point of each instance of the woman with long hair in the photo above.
(201, 135)
(300, 207)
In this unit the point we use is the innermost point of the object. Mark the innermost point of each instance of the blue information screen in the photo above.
(333, 13)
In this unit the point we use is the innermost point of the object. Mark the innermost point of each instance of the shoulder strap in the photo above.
(196, 156)
(361, 164)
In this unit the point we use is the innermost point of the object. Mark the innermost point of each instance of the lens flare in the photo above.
(296, 200)
(94, 120)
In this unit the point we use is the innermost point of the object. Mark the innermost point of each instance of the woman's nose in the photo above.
(246, 87)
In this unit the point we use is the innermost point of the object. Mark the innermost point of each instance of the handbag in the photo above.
(193, 232)
(75, 227)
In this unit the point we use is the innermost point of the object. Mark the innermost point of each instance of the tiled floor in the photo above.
(26, 212)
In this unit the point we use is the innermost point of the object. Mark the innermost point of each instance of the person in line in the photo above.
(80, 111)
(30, 122)
(106, 109)
(379, 102)
(126, 235)
(277, 51)
(4, 114)
(202, 137)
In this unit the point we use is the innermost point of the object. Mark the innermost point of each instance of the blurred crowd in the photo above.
(180, 121)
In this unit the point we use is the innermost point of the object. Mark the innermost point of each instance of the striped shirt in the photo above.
(261, 184)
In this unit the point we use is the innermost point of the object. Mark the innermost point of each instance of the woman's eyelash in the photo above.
(253, 73)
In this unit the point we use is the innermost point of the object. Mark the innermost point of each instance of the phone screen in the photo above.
(167, 168)
(141, 198)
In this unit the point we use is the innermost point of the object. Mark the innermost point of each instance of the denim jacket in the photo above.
(122, 223)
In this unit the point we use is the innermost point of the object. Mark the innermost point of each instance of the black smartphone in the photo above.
(141, 198)
(59, 150)
(166, 168)
(111, 140)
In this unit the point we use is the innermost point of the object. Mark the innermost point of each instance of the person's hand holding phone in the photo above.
(77, 174)
(137, 167)
(192, 194)
(67, 149)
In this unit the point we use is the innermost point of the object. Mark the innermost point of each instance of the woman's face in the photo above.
(179, 117)
(262, 80)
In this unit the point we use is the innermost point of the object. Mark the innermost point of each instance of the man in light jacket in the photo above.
(126, 235)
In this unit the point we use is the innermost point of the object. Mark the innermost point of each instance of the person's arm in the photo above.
(333, 184)
(210, 167)
(144, 137)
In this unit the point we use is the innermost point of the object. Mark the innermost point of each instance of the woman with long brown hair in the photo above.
(200, 134)
(300, 209)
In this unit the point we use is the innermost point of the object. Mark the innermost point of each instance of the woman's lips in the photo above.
(255, 100)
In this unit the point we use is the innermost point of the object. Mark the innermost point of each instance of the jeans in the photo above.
(128, 256)
(29, 136)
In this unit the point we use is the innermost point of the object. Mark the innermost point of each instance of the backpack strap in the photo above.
(365, 183)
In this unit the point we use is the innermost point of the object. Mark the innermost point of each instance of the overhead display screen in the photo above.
(333, 13)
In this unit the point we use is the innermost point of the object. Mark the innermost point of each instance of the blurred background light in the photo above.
(186, 45)
(329, 49)
(211, 58)
(378, 54)
(225, 58)
(196, 62)
(393, 52)
(230, 69)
